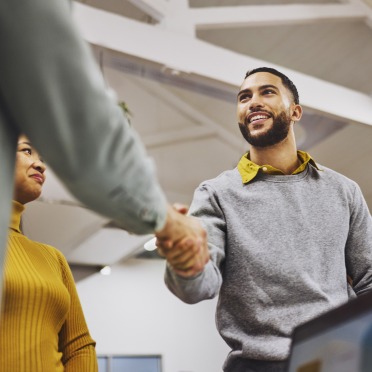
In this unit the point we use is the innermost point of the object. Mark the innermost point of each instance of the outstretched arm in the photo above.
(52, 90)
(190, 283)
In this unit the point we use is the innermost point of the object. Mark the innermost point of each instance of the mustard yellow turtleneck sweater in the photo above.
(42, 326)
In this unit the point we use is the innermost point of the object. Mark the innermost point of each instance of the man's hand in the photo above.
(183, 242)
(185, 258)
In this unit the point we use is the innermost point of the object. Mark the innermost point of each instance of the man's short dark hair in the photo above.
(285, 80)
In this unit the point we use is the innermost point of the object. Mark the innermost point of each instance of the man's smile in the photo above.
(257, 117)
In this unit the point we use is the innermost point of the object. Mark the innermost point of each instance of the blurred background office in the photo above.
(177, 65)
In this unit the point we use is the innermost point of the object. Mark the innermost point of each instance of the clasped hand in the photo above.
(183, 242)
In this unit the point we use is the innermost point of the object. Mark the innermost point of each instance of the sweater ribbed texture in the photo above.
(42, 325)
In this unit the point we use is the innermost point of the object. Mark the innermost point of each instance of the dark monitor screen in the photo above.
(337, 341)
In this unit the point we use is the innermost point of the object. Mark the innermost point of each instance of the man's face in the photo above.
(265, 110)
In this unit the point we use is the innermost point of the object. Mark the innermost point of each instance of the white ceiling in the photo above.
(178, 65)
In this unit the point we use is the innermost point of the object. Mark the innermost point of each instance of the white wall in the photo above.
(132, 312)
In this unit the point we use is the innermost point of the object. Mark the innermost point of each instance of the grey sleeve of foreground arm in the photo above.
(207, 284)
(52, 90)
(358, 250)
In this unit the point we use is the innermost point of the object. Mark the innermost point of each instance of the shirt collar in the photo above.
(15, 220)
(249, 170)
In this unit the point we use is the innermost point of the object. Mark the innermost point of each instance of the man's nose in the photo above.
(255, 102)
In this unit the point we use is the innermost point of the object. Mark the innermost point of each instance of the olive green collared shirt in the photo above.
(249, 170)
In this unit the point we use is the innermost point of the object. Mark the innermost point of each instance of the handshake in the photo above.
(183, 242)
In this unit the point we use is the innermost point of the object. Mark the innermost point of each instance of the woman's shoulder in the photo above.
(45, 250)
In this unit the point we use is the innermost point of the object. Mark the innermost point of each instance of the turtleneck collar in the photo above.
(15, 220)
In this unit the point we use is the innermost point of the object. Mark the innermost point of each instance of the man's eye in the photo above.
(269, 91)
(243, 97)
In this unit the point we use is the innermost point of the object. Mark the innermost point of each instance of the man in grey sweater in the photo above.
(283, 234)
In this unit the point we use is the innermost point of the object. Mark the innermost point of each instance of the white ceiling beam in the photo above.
(176, 136)
(366, 5)
(178, 18)
(76, 218)
(192, 56)
(210, 126)
(156, 9)
(273, 15)
(106, 247)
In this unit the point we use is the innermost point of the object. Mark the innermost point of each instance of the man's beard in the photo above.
(274, 135)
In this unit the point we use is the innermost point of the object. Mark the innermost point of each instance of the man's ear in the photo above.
(296, 112)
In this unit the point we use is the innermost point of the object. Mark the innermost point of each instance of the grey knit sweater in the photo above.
(281, 249)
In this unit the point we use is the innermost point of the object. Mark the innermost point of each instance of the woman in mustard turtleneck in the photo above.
(42, 325)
